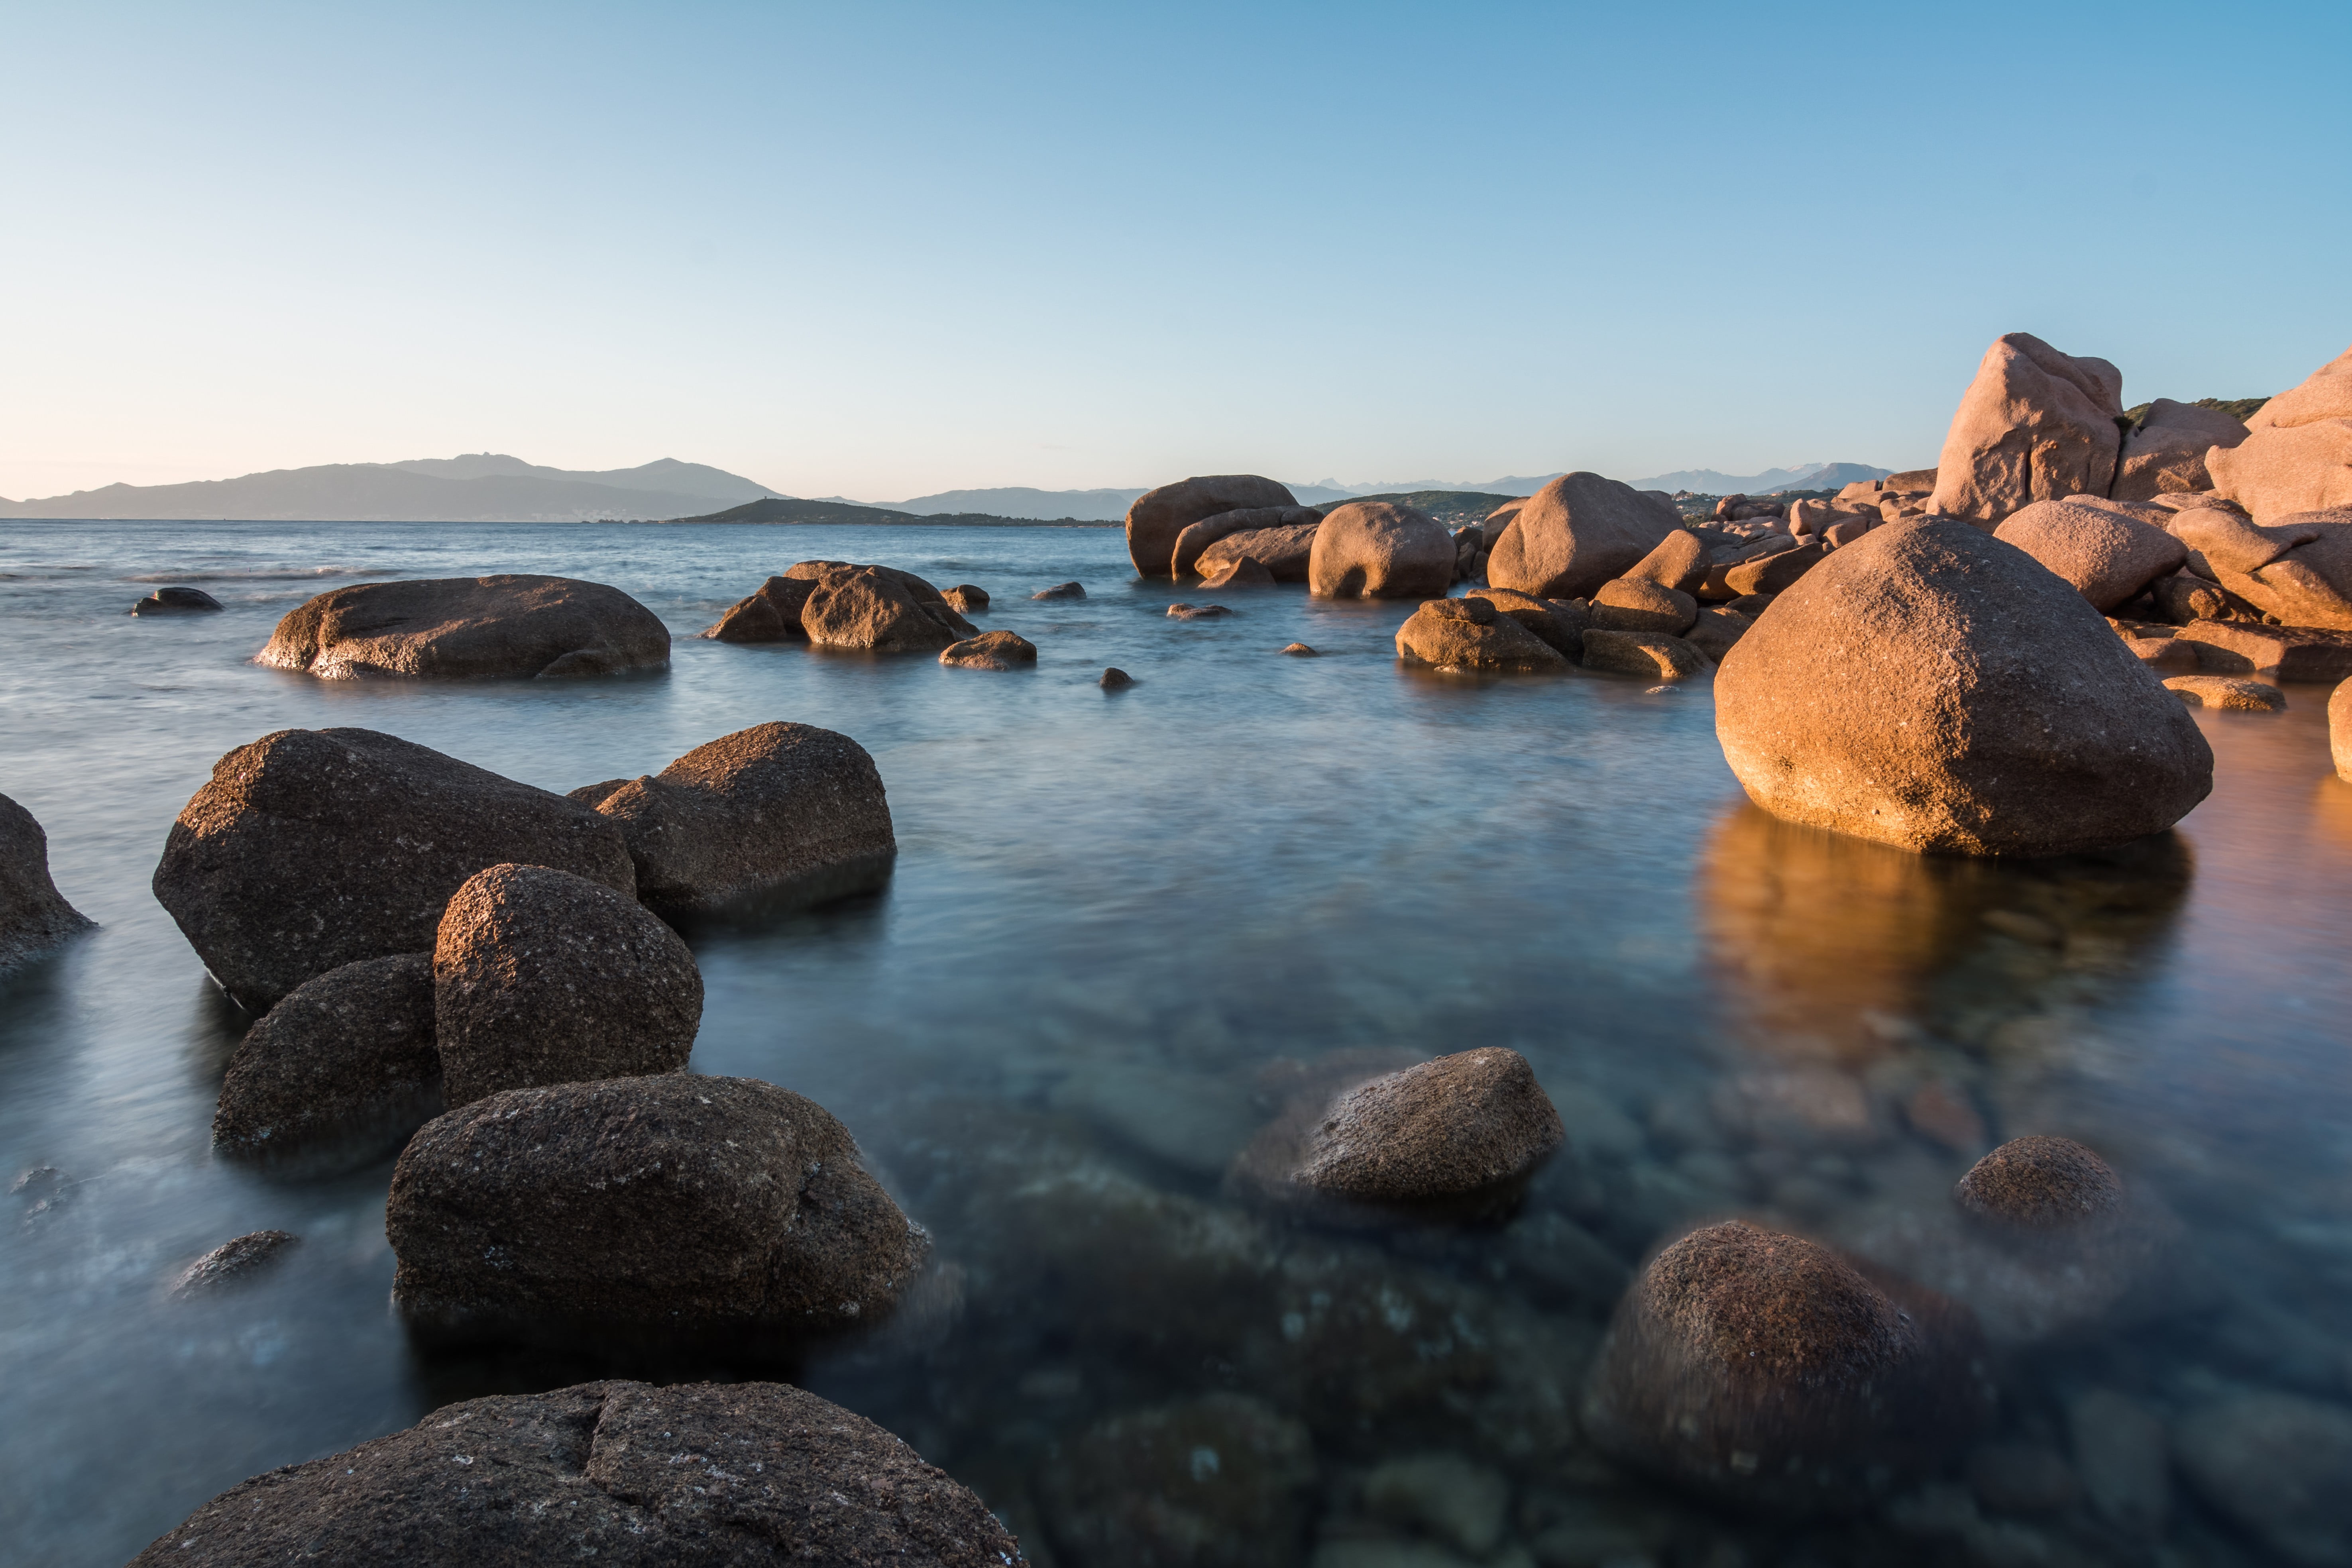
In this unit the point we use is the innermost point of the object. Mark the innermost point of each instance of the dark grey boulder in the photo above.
(311, 849)
(623, 1474)
(35, 918)
(541, 977)
(336, 1074)
(669, 1207)
(232, 1262)
(459, 627)
(176, 602)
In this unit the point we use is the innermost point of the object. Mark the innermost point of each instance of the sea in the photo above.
(1121, 926)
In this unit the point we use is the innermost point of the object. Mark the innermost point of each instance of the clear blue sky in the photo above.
(880, 250)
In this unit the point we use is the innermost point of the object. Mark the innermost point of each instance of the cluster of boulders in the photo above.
(839, 604)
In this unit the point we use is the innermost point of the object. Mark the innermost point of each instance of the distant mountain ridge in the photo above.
(1804, 476)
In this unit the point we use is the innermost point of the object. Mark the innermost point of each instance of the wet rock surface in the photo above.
(2223, 692)
(338, 1073)
(176, 602)
(541, 977)
(991, 651)
(458, 628)
(2276, 1463)
(35, 918)
(669, 1207)
(233, 1262)
(778, 814)
(625, 1472)
(311, 849)
(1653, 655)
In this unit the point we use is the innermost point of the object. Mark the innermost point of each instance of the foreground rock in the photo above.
(35, 918)
(870, 607)
(1373, 549)
(1458, 1138)
(2034, 426)
(2297, 454)
(1575, 534)
(1197, 537)
(176, 602)
(2165, 455)
(338, 1073)
(671, 1207)
(311, 849)
(1468, 635)
(1931, 687)
(625, 1473)
(2297, 568)
(1765, 1369)
(232, 1264)
(457, 627)
(779, 815)
(1285, 552)
(1224, 1480)
(1159, 517)
(990, 650)
(2105, 555)
(541, 977)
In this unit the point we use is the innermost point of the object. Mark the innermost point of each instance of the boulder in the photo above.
(1678, 562)
(1221, 1481)
(1198, 537)
(2339, 729)
(311, 849)
(1495, 521)
(627, 1474)
(778, 815)
(233, 1262)
(1910, 482)
(1062, 591)
(2105, 556)
(1115, 679)
(1558, 622)
(1717, 629)
(35, 918)
(1242, 573)
(671, 1205)
(1846, 530)
(871, 608)
(2282, 653)
(1373, 549)
(1653, 655)
(2185, 597)
(2227, 691)
(1577, 533)
(1458, 1138)
(964, 599)
(176, 602)
(2275, 1463)
(771, 613)
(1469, 634)
(1773, 571)
(1299, 651)
(2165, 452)
(1933, 688)
(541, 977)
(2297, 568)
(1159, 517)
(1637, 604)
(2034, 426)
(338, 1073)
(2297, 453)
(991, 651)
(1765, 1369)
(1197, 611)
(454, 627)
(1284, 552)
(2040, 1184)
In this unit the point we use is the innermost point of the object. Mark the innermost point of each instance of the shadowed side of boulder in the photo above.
(35, 918)
(338, 1073)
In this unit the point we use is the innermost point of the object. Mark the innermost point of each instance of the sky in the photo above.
(882, 250)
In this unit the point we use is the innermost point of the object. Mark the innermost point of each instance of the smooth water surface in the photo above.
(1117, 921)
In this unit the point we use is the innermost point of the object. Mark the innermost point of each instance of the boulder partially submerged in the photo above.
(35, 918)
(1159, 517)
(458, 627)
(1197, 537)
(1470, 634)
(338, 1073)
(991, 651)
(311, 849)
(880, 610)
(177, 601)
(1284, 552)
(628, 1474)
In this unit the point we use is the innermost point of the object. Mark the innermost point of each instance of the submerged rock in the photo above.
(1465, 1505)
(778, 814)
(1765, 1369)
(1115, 679)
(1197, 611)
(458, 627)
(1467, 635)
(1373, 550)
(1299, 651)
(336, 1074)
(2034, 426)
(541, 977)
(1933, 688)
(35, 918)
(626, 1473)
(232, 1262)
(176, 602)
(990, 650)
(1223, 1479)
(964, 599)
(1062, 591)
(663, 1205)
(2277, 1464)
(311, 849)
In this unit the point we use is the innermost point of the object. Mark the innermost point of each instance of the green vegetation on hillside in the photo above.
(2238, 408)
(1455, 509)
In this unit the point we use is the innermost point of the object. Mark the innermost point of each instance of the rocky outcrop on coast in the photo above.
(841, 604)
(2296, 455)
(35, 918)
(1159, 517)
(469, 627)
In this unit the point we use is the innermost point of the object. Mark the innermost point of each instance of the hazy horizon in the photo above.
(907, 250)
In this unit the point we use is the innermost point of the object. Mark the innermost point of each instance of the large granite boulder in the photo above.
(2107, 555)
(1471, 634)
(2034, 426)
(1284, 552)
(875, 609)
(778, 815)
(770, 614)
(311, 849)
(34, 916)
(2164, 453)
(992, 651)
(1575, 534)
(541, 977)
(1766, 1369)
(1638, 604)
(1374, 549)
(1159, 517)
(2297, 454)
(624, 1474)
(338, 1073)
(2297, 567)
(671, 1207)
(1679, 561)
(1931, 687)
(454, 627)
(1198, 537)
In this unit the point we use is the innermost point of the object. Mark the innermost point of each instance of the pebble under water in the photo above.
(1117, 921)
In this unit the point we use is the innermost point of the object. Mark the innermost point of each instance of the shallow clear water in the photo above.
(1114, 917)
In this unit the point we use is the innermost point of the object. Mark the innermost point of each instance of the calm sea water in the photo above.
(1115, 920)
